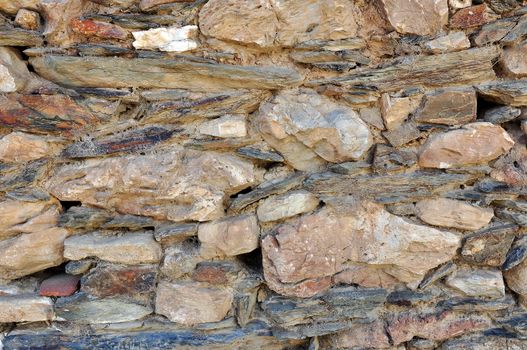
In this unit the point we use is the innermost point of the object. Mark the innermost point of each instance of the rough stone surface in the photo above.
(450, 107)
(25, 309)
(416, 17)
(474, 143)
(190, 303)
(309, 129)
(229, 236)
(455, 41)
(128, 248)
(478, 283)
(31, 252)
(263, 174)
(268, 22)
(193, 191)
(286, 205)
(385, 241)
(452, 213)
(22, 147)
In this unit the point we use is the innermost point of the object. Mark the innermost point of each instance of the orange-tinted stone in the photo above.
(473, 16)
(61, 285)
(103, 30)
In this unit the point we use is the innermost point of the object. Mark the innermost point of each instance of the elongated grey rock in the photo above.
(456, 68)
(157, 73)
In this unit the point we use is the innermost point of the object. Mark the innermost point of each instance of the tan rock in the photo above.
(309, 129)
(269, 22)
(19, 308)
(453, 213)
(420, 17)
(459, 4)
(185, 185)
(11, 7)
(454, 41)
(191, 303)
(14, 75)
(320, 245)
(449, 107)
(360, 335)
(245, 21)
(21, 147)
(474, 143)
(304, 20)
(284, 206)
(229, 236)
(226, 126)
(516, 278)
(513, 60)
(29, 253)
(129, 248)
(27, 217)
(171, 39)
(478, 283)
(27, 19)
(395, 110)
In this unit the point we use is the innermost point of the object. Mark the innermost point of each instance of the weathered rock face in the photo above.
(25, 309)
(474, 143)
(416, 17)
(452, 213)
(32, 252)
(187, 185)
(229, 236)
(321, 245)
(309, 129)
(263, 174)
(129, 248)
(192, 303)
(270, 22)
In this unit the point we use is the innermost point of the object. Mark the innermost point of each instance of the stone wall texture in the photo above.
(263, 174)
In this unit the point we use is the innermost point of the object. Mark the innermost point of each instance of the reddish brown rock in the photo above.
(436, 326)
(366, 276)
(104, 30)
(420, 17)
(57, 15)
(44, 113)
(61, 285)
(474, 143)
(516, 278)
(107, 280)
(473, 16)
(215, 272)
(306, 252)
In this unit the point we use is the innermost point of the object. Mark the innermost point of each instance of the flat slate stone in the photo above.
(114, 72)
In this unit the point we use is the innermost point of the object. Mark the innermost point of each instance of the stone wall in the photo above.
(263, 174)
